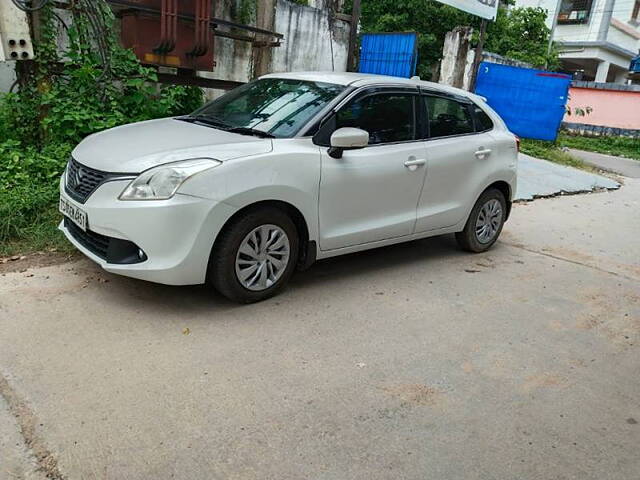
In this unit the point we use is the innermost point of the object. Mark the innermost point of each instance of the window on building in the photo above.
(574, 11)
(447, 117)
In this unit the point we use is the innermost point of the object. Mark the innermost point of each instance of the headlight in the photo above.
(162, 182)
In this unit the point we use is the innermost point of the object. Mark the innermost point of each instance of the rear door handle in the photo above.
(483, 152)
(415, 163)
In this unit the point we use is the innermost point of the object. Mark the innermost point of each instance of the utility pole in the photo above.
(478, 55)
(353, 36)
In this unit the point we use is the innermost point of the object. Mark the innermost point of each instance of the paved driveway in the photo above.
(410, 362)
(541, 178)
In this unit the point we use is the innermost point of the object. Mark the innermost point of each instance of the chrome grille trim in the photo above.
(81, 181)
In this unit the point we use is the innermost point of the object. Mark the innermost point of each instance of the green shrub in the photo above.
(20, 165)
(28, 217)
(64, 99)
(28, 193)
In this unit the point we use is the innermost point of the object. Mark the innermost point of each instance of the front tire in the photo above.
(255, 256)
(485, 222)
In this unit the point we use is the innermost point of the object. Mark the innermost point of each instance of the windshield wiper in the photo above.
(215, 122)
(207, 120)
(250, 131)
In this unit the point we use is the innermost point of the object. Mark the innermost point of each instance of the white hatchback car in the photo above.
(285, 170)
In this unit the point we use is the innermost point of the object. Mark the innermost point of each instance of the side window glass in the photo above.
(483, 122)
(387, 117)
(447, 117)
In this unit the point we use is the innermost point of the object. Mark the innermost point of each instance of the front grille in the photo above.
(110, 249)
(81, 181)
(92, 241)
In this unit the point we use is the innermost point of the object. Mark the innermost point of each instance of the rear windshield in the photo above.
(280, 107)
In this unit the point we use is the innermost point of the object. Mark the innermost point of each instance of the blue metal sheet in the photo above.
(531, 102)
(393, 54)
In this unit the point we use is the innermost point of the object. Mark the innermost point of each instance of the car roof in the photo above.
(364, 79)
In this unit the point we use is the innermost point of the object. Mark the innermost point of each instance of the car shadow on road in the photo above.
(355, 267)
(361, 264)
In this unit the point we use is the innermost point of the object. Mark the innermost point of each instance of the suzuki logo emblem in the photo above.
(78, 176)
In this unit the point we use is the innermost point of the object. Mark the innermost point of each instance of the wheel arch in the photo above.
(307, 253)
(505, 189)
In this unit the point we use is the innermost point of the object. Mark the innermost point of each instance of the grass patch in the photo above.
(29, 179)
(29, 220)
(43, 236)
(549, 151)
(618, 146)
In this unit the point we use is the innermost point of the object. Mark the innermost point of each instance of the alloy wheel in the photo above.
(263, 257)
(488, 221)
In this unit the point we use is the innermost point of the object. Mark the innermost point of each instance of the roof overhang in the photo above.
(599, 44)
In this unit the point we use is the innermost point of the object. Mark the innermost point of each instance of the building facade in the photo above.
(597, 38)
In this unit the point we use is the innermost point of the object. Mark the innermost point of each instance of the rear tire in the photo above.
(254, 256)
(485, 222)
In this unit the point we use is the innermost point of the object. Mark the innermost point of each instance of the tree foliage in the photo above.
(430, 19)
(521, 33)
(68, 96)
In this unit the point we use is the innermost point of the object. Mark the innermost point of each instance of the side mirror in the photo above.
(347, 138)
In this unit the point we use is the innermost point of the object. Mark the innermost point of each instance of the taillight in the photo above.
(517, 143)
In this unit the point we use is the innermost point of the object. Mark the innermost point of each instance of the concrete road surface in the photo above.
(416, 361)
(620, 165)
(540, 178)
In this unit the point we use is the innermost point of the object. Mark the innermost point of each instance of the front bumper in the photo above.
(176, 235)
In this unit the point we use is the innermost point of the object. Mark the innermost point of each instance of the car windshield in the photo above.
(274, 106)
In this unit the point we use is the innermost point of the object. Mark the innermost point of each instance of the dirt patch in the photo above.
(22, 263)
(634, 270)
(616, 316)
(26, 419)
(568, 254)
(545, 380)
(415, 394)
(588, 260)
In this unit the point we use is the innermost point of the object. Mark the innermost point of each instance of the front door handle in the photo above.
(415, 163)
(483, 152)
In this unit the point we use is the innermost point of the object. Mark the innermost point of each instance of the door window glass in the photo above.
(483, 122)
(387, 117)
(447, 117)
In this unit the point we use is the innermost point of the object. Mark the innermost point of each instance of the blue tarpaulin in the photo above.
(389, 54)
(531, 102)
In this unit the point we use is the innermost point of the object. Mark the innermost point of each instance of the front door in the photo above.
(371, 194)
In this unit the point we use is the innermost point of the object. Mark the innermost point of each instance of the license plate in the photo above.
(73, 213)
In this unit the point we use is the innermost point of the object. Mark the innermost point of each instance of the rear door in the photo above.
(458, 160)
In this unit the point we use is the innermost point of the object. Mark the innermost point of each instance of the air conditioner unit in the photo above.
(15, 36)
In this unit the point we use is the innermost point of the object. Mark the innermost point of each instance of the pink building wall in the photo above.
(610, 108)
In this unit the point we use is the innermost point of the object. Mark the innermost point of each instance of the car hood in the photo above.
(138, 146)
